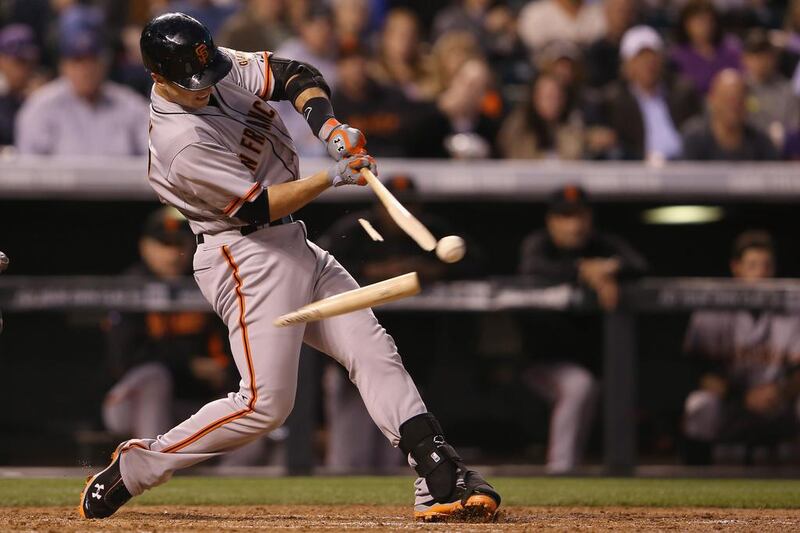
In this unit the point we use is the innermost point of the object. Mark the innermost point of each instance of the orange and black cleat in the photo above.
(477, 501)
(104, 492)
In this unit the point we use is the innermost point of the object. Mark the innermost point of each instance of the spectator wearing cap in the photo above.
(162, 359)
(19, 59)
(646, 109)
(771, 104)
(258, 25)
(602, 57)
(703, 48)
(317, 45)
(563, 346)
(542, 21)
(749, 365)
(370, 262)
(724, 134)
(545, 126)
(81, 112)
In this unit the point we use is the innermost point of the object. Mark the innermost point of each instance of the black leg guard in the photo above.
(445, 473)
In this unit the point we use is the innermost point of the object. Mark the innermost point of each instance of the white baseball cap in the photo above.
(640, 38)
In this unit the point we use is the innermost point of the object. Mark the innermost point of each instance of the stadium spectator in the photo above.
(542, 21)
(82, 113)
(563, 61)
(19, 59)
(544, 126)
(791, 28)
(491, 23)
(258, 25)
(725, 135)
(645, 109)
(351, 23)
(316, 44)
(162, 359)
(748, 389)
(399, 60)
(703, 48)
(470, 119)
(212, 13)
(382, 113)
(449, 53)
(563, 346)
(370, 262)
(602, 55)
(771, 103)
(128, 69)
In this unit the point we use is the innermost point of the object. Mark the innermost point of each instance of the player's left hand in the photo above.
(348, 170)
(345, 141)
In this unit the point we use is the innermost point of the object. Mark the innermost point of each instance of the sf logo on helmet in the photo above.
(202, 53)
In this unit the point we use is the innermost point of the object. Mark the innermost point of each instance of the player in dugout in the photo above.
(749, 387)
(563, 346)
(164, 361)
(221, 155)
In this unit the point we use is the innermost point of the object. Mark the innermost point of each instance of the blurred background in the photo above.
(622, 172)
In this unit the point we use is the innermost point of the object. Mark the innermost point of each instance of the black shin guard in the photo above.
(437, 461)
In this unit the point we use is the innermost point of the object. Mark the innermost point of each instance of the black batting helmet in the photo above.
(181, 49)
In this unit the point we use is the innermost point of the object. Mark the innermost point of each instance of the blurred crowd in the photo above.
(652, 80)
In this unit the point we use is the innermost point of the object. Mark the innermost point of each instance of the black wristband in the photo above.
(317, 111)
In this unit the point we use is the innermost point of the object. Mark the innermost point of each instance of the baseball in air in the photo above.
(4, 261)
(451, 249)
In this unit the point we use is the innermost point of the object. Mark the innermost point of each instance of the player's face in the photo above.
(181, 96)
(755, 263)
(570, 231)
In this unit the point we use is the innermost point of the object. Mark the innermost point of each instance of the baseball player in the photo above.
(220, 154)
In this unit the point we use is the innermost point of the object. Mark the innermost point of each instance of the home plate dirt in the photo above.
(386, 518)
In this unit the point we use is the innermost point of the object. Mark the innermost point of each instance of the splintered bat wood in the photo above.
(362, 298)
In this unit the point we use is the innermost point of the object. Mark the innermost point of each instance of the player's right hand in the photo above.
(348, 170)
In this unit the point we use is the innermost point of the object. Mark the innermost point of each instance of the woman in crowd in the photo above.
(400, 57)
(703, 48)
(543, 126)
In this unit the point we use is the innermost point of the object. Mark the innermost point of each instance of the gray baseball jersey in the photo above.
(756, 349)
(208, 162)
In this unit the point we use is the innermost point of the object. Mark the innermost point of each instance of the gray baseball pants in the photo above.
(249, 282)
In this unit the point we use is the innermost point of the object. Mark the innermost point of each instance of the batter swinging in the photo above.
(221, 155)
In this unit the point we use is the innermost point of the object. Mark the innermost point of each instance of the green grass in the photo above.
(743, 493)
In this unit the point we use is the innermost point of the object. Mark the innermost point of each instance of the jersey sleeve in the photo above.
(215, 176)
(251, 71)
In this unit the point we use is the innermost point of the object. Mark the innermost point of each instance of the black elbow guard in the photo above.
(294, 77)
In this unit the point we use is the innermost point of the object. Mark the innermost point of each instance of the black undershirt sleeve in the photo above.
(257, 211)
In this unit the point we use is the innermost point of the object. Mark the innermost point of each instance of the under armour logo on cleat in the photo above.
(99, 487)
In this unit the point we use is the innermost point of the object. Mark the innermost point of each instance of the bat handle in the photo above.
(368, 176)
